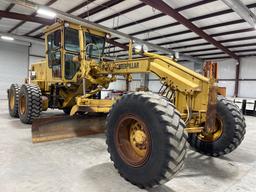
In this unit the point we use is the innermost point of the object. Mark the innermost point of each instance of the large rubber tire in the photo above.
(167, 138)
(67, 111)
(30, 103)
(232, 134)
(13, 100)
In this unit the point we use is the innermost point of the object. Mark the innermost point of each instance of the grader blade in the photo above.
(62, 127)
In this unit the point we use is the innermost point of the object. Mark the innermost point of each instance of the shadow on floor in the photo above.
(104, 177)
(197, 164)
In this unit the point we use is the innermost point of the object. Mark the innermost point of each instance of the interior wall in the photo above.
(247, 79)
(14, 62)
(227, 75)
(247, 83)
(13, 65)
(36, 53)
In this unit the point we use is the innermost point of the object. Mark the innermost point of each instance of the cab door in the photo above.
(71, 50)
(54, 53)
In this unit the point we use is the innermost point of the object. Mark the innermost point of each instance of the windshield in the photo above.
(94, 45)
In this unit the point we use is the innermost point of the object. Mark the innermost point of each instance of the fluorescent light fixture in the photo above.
(46, 12)
(8, 38)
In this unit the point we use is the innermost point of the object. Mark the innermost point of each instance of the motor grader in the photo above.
(146, 133)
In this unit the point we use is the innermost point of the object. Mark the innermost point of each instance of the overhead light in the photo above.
(46, 12)
(8, 38)
(139, 48)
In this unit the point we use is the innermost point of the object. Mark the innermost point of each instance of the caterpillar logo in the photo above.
(132, 65)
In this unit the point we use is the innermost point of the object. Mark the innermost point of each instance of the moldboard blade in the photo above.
(62, 127)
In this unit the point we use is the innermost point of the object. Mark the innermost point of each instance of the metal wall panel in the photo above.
(13, 65)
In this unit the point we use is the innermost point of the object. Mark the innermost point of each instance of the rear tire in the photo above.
(161, 147)
(13, 100)
(30, 103)
(233, 131)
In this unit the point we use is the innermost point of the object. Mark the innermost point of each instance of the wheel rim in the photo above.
(12, 100)
(216, 134)
(22, 104)
(133, 140)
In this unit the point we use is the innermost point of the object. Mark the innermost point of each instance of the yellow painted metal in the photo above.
(22, 104)
(191, 89)
(138, 139)
(130, 49)
(215, 134)
(12, 99)
(194, 129)
(91, 105)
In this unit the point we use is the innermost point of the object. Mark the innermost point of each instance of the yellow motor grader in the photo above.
(147, 133)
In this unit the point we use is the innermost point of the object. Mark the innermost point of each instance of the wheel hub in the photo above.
(216, 134)
(12, 99)
(22, 104)
(133, 140)
(138, 139)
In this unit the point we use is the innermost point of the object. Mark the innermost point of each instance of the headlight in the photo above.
(139, 48)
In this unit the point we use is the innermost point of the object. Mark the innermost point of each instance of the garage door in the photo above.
(13, 65)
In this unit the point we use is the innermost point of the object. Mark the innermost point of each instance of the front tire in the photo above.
(67, 111)
(227, 138)
(30, 103)
(146, 139)
(13, 100)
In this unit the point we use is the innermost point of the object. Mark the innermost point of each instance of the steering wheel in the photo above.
(92, 44)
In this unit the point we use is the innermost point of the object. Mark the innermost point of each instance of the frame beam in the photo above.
(242, 10)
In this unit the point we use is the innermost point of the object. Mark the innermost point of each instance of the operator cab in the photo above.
(63, 45)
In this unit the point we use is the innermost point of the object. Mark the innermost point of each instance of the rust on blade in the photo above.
(62, 127)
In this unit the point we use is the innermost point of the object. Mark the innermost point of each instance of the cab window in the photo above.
(72, 48)
(94, 45)
(54, 55)
(71, 40)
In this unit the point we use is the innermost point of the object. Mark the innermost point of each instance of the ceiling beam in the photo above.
(212, 35)
(198, 38)
(210, 15)
(189, 6)
(203, 50)
(227, 57)
(18, 16)
(83, 22)
(215, 14)
(163, 7)
(242, 10)
(32, 15)
(222, 41)
(10, 6)
(99, 8)
(203, 28)
(23, 39)
(81, 5)
(214, 48)
(121, 13)
(218, 53)
(84, 14)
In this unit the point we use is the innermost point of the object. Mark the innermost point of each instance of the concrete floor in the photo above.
(82, 164)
